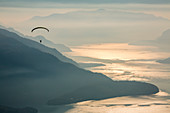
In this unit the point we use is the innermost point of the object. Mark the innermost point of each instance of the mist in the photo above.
(83, 24)
(111, 56)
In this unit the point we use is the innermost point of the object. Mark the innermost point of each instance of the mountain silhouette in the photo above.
(59, 47)
(48, 43)
(31, 77)
(164, 61)
(7, 109)
(161, 42)
(37, 45)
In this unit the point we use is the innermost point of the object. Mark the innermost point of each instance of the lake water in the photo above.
(121, 61)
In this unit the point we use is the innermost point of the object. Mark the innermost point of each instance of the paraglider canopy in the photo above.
(39, 28)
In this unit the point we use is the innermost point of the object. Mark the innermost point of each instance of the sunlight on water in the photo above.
(121, 51)
(126, 62)
(123, 61)
(140, 104)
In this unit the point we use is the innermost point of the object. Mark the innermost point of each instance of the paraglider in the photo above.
(40, 28)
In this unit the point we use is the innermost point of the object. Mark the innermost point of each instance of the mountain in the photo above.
(38, 46)
(6, 109)
(30, 77)
(164, 38)
(100, 26)
(12, 30)
(164, 61)
(59, 47)
(98, 15)
(161, 42)
(103, 91)
(48, 43)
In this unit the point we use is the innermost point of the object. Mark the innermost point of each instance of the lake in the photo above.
(121, 61)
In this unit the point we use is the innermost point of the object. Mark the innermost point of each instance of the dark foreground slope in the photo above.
(30, 77)
(37, 45)
(6, 109)
(46, 42)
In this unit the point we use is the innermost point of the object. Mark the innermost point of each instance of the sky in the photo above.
(76, 22)
(92, 1)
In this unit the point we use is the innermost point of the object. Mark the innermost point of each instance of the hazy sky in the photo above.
(83, 22)
(90, 1)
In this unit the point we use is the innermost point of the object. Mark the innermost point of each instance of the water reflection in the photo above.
(121, 51)
(126, 62)
(123, 59)
(149, 104)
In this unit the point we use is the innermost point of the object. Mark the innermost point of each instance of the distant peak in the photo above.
(101, 10)
(40, 37)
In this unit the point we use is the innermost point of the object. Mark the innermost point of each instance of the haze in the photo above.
(99, 56)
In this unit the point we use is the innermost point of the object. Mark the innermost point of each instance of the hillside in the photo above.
(30, 77)
(37, 45)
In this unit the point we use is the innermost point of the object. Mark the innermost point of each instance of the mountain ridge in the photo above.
(38, 46)
(30, 77)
